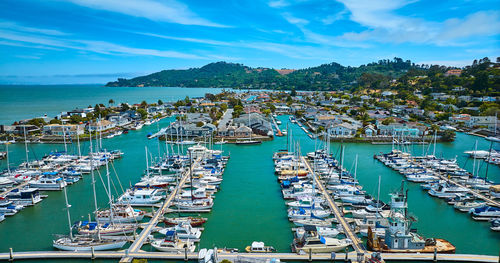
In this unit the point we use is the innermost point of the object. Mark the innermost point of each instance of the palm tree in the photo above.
(111, 102)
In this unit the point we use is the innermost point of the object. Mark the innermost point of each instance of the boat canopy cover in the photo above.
(49, 173)
(323, 240)
(310, 228)
(302, 211)
(84, 223)
(170, 233)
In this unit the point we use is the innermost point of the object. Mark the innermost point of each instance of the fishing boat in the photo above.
(313, 222)
(398, 237)
(322, 231)
(196, 204)
(171, 243)
(259, 247)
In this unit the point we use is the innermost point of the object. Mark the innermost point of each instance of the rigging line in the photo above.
(117, 178)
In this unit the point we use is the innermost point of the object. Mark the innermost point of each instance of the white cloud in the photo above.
(28, 57)
(100, 47)
(335, 17)
(278, 3)
(294, 20)
(384, 25)
(166, 11)
(16, 27)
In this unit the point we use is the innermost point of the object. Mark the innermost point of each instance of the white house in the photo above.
(101, 126)
(343, 129)
(60, 130)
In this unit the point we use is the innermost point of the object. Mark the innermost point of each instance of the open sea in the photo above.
(249, 206)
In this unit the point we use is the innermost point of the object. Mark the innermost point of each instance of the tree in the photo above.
(199, 124)
(223, 106)
(448, 136)
(293, 93)
(55, 121)
(388, 121)
(144, 104)
(111, 102)
(267, 112)
(160, 102)
(143, 113)
(124, 107)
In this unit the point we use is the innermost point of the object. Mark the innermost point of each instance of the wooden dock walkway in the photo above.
(356, 242)
(235, 256)
(139, 241)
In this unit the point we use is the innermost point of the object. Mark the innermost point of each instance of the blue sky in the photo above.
(95, 41)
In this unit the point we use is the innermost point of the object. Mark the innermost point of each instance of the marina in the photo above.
(281, 242)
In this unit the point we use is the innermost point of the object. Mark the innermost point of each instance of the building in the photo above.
(189, 130)
(482, 121)
(343, 129)
(101, 126)
(453, 72)
(243, 131)
(61, 130)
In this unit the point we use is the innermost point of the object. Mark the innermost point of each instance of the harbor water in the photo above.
(249, 206)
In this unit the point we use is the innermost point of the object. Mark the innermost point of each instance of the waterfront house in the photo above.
(482, 121)
(343, 129)
(370, 130)
(243, 131)
(189, 129)
(100, 126)
(119, 119)
(256, 121)
(61, 130)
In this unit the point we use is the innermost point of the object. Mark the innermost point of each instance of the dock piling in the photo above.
(310, 255)
(185, 254)
(435, 254)
(93, 253)
(11, 254)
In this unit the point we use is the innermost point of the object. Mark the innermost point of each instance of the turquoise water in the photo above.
(18, 102)
(249, 206)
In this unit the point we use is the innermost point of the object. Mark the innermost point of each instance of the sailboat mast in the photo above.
(109, 191)
(78, 141)
(7, 152)
(69, 217)
(435, 139)
(474, 159)
(147, 162)
(378, 197)
(64, 140)
(26, 146)
(93, 186)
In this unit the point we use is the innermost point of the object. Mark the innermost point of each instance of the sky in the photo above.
(96, 41)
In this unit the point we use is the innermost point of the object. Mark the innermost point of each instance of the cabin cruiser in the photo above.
(259, 247)
(25, 196)
(8, 208)
(322, 231)
(485, 212)
(312, 242)
(140, 197)
(49, 183)
(313, 222)
(171, 243)
(446, 190)
(306, 202)
(295, 214)
(193, 221)
(467, 206)
(183, 230)
(196, 204)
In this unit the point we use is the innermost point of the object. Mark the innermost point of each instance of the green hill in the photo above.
(222, 74)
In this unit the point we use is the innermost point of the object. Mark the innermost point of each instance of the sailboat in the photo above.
(83, 243)
(248, 141)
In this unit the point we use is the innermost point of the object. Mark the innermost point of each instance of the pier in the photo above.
(139, 241)
(356, 242)
(19, 186)
(278, 131)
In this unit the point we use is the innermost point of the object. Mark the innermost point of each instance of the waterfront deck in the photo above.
(278, 131)
(139, 241)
